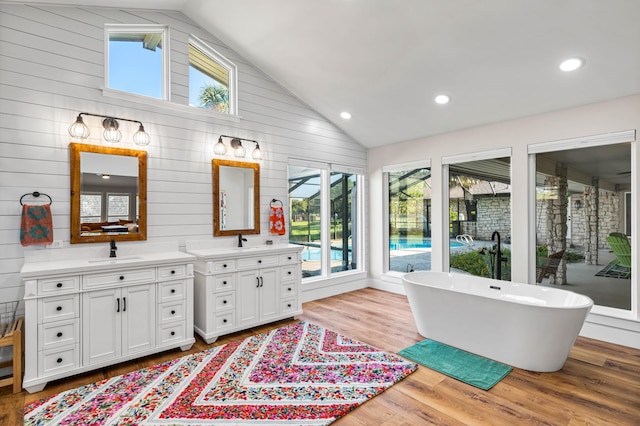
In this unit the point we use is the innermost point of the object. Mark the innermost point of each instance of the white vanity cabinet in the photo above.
(83, 314)
(238, 288)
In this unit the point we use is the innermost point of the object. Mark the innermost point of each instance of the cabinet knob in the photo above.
(224, 266)
(259, 261)
(59, 360)
(224, 283)
(173, 272)
(288, 305)
(289, 257)
(173, 333)
(173, 290)
(173, 312)
(59, 308)
(224, 302)
(289, 272)
(288, 288)
(59, 334)
(224, 320)
(59, 285)
(121, 277)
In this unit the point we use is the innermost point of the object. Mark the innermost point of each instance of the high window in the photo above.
(137, 60)
(325, 217)
(212, 79)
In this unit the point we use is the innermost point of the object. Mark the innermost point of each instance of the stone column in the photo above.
(591, 213)
(557, 220)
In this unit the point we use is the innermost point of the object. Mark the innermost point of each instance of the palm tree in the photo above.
(214, 96)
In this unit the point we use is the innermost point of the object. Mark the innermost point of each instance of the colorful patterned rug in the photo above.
(298, 374)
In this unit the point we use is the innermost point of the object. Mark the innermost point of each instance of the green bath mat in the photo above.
(472, 369)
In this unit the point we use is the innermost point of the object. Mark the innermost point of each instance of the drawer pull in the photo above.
(173, 272)
(59, 360)
(59, 285)
(173, 333)
(59, 334)
(121, 277)
(258, 279)
(124, 304)
(173, 312)
(224, 302)
(59, 308)
(173, 290)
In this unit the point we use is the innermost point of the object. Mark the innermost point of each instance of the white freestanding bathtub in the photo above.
(521, 325)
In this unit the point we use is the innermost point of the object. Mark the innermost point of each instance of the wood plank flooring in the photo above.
(598, 385)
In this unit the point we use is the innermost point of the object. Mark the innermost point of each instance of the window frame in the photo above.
(221, 60)
(140, 29)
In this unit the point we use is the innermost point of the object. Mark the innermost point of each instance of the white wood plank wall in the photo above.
(51, 68)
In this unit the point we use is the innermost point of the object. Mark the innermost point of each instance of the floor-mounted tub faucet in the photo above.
(498, 253)
(240, 239)
(112, 244)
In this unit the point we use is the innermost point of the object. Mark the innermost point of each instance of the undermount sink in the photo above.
(114, 259)
(245, 248)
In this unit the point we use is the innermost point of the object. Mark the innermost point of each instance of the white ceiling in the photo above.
(385, 60)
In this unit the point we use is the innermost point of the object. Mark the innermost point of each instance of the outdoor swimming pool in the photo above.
(415, 243)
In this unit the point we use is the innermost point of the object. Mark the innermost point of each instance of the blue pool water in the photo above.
(414, 243)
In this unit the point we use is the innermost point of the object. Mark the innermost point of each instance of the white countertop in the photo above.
(225, 252)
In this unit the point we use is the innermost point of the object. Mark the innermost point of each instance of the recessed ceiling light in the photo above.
(442, 99)
(345, 115)
(571, 64)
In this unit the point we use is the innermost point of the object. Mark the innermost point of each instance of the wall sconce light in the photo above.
(112, 133)
(238, 150)
(578, 204)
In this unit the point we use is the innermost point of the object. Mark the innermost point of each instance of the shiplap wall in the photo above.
(52, 68)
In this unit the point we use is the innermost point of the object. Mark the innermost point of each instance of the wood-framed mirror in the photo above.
(108, 194)
(236, 197)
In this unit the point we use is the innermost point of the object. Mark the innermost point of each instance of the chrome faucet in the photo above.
(112, 244)
(498, 254)
(240, 239)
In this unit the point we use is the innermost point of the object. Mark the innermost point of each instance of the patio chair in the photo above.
(549, 266)
(622, 249)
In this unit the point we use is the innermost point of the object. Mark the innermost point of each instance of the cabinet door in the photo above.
(269, 293)
(138, 318)
(101, 324)
(247, 299)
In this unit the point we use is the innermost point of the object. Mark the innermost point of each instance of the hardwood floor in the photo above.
(598, 385)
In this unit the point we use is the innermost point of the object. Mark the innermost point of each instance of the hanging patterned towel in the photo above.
(276, 220)
(36, 225)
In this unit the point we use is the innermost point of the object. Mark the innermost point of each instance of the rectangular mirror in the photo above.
(108, 194)
(236, 197)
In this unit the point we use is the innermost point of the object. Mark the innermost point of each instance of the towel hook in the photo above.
(36, 194)
(275, 201)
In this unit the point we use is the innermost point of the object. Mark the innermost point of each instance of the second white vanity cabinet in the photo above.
(83, 313)
(238, 288)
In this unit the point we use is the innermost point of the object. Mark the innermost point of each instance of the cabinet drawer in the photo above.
(289, 258)
(223, 301)
(221, 266)
(289, 305)
(128, 276)
(58, 285)
(58, 360)
(59, 308)
(290, 272)
(58, 333)
(170, 272)
(224, 321)
(257, 261)
(225, 282)
(172, 312)
(172, 290)
(171, 332)
(289, 290)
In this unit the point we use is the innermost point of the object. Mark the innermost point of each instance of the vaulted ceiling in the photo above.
(384, 61)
